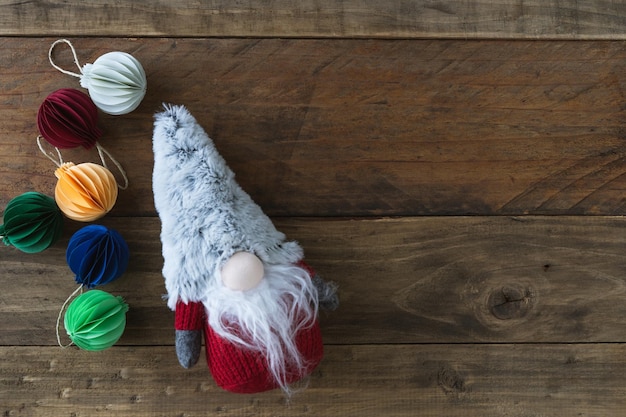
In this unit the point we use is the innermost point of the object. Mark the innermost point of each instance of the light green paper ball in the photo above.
(95, 320)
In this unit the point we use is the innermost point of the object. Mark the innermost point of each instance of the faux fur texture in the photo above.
(205, 215)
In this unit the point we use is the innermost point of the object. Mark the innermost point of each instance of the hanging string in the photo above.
(73, 74)
(43, 151)
(102, 152)
(80, 288)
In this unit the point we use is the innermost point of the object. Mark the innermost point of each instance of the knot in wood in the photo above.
(451, 381)
(510, 302)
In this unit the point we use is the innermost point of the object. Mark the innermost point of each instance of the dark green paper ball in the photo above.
(32, 222)
(95, 320)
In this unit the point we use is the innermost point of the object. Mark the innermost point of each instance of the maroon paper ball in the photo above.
(68, 118)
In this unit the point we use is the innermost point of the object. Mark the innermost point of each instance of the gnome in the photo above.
(229, 274)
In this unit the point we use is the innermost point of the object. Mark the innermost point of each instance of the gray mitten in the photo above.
(326, 293)
(190, 321)
(188, 346)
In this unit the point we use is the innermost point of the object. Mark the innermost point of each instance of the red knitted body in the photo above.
(241, 370)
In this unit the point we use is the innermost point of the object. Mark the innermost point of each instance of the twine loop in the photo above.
(56, 162)
(101, 152)
(80, 288)
(73, 74)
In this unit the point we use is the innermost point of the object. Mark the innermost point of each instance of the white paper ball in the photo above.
(116, 82)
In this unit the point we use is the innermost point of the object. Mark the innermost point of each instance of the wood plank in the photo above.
(432, 380)
(503, 19)
(406, 280)
(356, 127)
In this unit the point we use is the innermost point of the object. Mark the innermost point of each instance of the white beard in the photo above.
(266, 319)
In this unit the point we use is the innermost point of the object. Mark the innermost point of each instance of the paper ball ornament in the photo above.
(97, 255)
(85, 192)
(95, 320)
(32, 222)
(116, 82)
(68, 118)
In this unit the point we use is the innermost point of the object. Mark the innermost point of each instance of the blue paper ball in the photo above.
(97, 255)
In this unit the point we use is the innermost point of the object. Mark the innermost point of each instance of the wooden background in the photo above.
(458, 168)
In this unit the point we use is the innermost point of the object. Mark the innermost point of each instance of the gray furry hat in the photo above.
(206, 217)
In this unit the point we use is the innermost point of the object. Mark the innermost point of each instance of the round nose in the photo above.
(242, 271)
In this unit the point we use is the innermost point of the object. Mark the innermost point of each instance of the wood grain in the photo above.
(356, 127)
(409, 280)
(503, 19)
(336, 115)
(396, 380)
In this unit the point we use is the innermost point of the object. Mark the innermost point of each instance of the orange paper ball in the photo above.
(85, 192)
